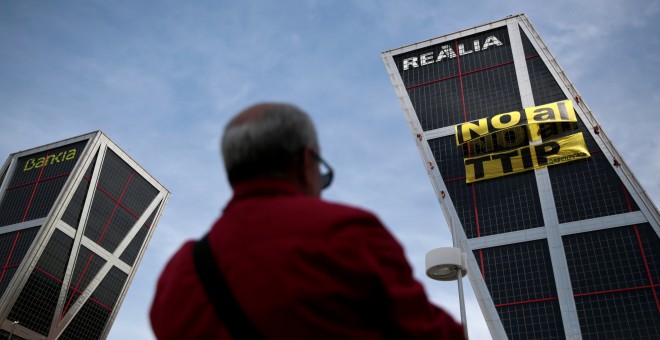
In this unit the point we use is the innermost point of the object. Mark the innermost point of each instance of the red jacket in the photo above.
(301, 268)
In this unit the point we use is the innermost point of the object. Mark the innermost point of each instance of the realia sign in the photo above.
(448, 52)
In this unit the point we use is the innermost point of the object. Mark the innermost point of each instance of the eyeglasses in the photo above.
(326, 171)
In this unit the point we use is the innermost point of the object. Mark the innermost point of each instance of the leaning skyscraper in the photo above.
(561, 239)
(75, 219)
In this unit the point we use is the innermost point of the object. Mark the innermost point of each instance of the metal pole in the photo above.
(459, 278)
(11, 334)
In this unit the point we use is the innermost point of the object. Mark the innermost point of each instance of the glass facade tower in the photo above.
(569, 250)
(75, 219)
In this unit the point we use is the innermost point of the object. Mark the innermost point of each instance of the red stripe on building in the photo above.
(13, 245)
(105, 228)
(34, 190)
(458, 75)
(641, 250)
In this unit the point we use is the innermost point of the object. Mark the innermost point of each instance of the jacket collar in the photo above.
(264, 187)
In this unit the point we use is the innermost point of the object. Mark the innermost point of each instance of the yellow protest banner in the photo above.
(561, 111)
(515, 137)
(558, 151)
(496, 142)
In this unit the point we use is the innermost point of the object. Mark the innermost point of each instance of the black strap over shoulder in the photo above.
(221, 296)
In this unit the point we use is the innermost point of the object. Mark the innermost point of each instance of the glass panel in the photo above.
(36, 183)
(36, 303)
(13, 247)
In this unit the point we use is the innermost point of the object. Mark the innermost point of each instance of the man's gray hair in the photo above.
(266, 139)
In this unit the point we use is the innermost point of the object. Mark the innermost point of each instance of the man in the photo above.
(297, 266)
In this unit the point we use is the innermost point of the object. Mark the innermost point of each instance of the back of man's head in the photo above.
(265, 140)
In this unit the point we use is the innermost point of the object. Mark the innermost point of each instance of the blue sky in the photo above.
(162, 78)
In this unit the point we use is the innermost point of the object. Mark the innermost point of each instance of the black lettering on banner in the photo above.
(561, 111)
(499, 145)
(499, 141)
(526, 155)
(567, 158)
(512, 138)
(504, 120)
(543, 114)
(549, 130)
(478, 146)
(544, 150)
(505, 158)
(478, 165)
(525, 158)
(472, 128)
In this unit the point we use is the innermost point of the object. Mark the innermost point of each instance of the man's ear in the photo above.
(301, 171)
(310, 176)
